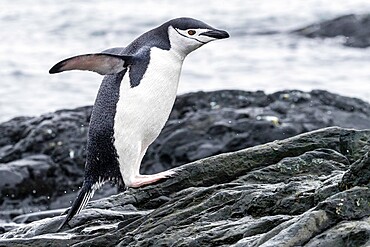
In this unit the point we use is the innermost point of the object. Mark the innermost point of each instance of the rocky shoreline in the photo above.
(253, 169)
(355, 30)
(310, 189)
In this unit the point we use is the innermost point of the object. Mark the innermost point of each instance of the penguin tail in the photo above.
(85, 194)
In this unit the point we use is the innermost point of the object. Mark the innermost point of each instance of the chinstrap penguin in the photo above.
(134, 101)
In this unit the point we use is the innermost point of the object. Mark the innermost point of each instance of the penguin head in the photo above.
(187, 34)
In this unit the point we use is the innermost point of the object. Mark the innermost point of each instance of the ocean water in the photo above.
(36, 34)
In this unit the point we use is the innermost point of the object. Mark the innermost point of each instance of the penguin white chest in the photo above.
(142, 111)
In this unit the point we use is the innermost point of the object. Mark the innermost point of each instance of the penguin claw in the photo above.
(170, 174)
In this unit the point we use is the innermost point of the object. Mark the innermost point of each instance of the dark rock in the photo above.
(42, 158)
(283, 193)
(354, 233)
(27, 218)
(354, 28)
(358, 174)
(29, 183)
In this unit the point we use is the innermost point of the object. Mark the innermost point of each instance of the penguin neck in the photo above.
(180, 55)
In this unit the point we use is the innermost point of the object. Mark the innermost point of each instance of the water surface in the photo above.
(37, 34)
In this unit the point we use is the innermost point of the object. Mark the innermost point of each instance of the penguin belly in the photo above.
(142, 111)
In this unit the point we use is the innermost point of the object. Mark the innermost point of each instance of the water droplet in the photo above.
(71, 154)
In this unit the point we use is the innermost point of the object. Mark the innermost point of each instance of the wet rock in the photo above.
(46, 154)
(355, 29)
(266, 195)
(358, 174)
(29, 183)
(225, 121)
(354, 233)
(40, 159)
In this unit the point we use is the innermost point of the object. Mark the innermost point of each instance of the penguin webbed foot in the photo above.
(142, 180)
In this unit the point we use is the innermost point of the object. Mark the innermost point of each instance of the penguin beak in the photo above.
(217, 34)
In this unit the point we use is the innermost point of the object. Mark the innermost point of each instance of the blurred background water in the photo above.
(34, 35)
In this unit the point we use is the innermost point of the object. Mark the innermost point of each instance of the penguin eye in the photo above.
(191, 32)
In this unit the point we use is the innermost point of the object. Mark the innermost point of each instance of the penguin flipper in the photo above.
(85, 194)
(101, 63)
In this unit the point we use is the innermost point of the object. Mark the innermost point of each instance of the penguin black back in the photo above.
(101, 155)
